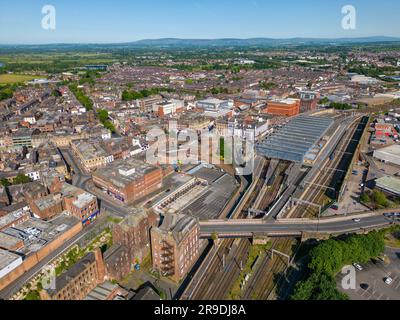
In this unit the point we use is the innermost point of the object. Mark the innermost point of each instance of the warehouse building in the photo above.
(175, 245)
(8, 262)
(285, 107)
(388, 185)
(389, 154)
(296, 140)
(128, 180)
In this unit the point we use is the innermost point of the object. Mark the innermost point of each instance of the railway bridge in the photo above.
(249, 228)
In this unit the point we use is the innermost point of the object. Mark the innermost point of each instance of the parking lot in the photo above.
(370, 283)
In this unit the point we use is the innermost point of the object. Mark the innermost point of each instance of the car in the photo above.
(388, 280)
(358, 266)
(364, 286)
(357, 220)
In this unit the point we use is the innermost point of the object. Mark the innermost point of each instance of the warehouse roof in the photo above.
(390, 150)
(390, 184)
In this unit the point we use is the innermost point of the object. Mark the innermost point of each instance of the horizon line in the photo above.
(394, 39)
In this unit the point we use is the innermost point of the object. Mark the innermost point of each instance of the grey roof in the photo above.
(294, 140)
(178, 225)
(63, 279)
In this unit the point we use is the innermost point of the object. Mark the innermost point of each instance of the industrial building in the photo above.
(389, 185)
(295, 140)
(389, 154)
(285, 107)
(128, 180)
(175, 245)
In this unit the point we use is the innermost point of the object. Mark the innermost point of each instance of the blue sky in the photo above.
(101, 21)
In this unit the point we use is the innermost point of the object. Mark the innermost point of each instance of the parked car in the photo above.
(388, 280)
(364, 286)
(358, 266)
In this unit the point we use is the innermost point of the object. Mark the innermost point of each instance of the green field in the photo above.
(16, 78)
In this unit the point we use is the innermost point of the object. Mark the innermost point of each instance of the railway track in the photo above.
(262, 282)
(318, 195)
(219, 279)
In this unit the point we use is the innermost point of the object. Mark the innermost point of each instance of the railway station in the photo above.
(296, 141)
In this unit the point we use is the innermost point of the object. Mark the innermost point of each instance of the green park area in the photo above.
(17, 78)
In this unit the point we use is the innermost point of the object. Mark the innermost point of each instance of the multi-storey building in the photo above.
(134, 233)
(79, 280)
(175, 245)
(91, 154)
(128, 180)
(286, 107)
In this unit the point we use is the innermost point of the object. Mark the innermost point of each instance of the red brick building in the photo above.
(285, 107)
(128, 180)
(175, 245)
(134, 233)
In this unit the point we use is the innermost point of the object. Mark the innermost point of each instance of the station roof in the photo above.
(293, 141)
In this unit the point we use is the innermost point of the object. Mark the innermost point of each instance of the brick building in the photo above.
(308, 100)
(134, 233)
(47, 207)
(76, 201)
(175, 245)
(128, 180)
(79, 280)
(117, 262)
(286, 107)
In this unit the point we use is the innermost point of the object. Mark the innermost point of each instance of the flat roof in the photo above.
(6, 258)
(390, 150)
(7, 241)
(389, 183)
(123, 172)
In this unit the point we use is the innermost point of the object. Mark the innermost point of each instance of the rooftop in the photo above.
(391, 184)
(123, 172)
(6, 258)
(293, 141)
(391, 150)
(178, 225)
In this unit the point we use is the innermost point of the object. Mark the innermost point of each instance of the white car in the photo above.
(388, 280)
(357, 266)
(357, 220)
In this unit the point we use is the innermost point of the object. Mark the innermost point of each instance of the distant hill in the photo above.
(204, 43)
(262, 42)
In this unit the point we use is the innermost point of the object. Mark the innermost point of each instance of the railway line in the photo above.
(232, 255)
(327, 179)
(261, 284)
(226, 266)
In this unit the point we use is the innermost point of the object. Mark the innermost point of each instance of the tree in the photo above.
(380, 198)
(365, 198)
(21, 179)
(5, 182)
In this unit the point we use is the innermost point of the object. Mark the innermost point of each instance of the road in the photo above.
(248, 227)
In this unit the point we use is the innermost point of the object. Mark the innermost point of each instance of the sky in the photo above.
(102, 21)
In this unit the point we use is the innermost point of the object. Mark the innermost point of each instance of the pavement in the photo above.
(373, 275)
